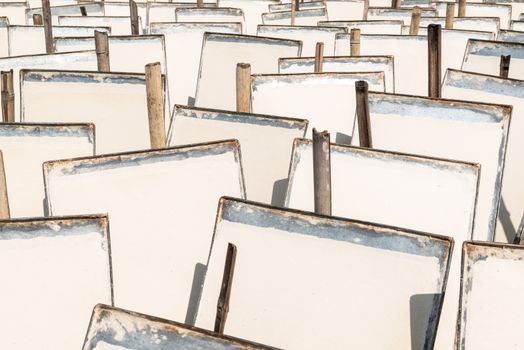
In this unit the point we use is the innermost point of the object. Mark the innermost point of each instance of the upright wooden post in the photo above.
(48, 26)
(319, 57)
(225, 289)
(364, 127)
(396, 4)
(243, 77)
(102, 51)
(133, 11)
(415, 21)
(504, 66)
(434, 60)
(37, 19)
(8, 97)
(462, 8)
(322, 172)
(293, 11)
(200, 3)
(4, 198)
(354, 36)
(83, 11)
(450, 15)
(155, 105)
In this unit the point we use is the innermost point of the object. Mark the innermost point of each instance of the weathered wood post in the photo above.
(415, 21)
(319, 57)
(155, 105)
(462, 8)
(102, 51)
(450, 15)
(48, 26)
(354, 37)
(364, 127)
(37, 19)
(83, 11)
(504, 66)
(133, 11)
(243, 88)
(434, 60)
(322, 172)
(225, 289)
(8, 97)
(396, 4)
(4, 198)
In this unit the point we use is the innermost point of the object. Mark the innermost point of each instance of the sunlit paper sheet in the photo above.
(482, 56)
(216, 86)
(85, 60)
(253, 10)
(309, 35)
(482, 88)
(117, 329)
(120, 25)
(162, 205)
(313, 303)
(481, 10)
(26, 146)
(491, 282)
(302, 17)
(265, 142)
(54, 271)
(115, 102)
(343, 64)
(327, 100)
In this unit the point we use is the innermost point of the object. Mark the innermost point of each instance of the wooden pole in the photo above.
(364, 125)
(293, 11)
(415, 21)
(450, 15)
(4, 198)
(8, 97)
(37, 19)
(322, 172)
(243, 77)
(83, 11)
(396, 4)
(102, 51)
(354, 36)
(225, 289)
(48, 26)
(133, 11)
(200, 3)
(319, 57)
(434, 60)
(462, 8)
(504, 66)
(155, 105)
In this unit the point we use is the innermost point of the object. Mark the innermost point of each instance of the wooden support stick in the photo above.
(8, 97)
(354, 45)
(83, 11)
(225, 289)
(450, 15)
(155, 105)
(4, 198)
(200, 3)
(415, 21)
(434, 60)
(48, 26)
(102, 51)
(364, 127)
(293, 11)
(462, 8)
(322, 172)
(37, 19)
(297, 5)
(396, 4)
(133, 11)
(504, 66)
(319, 57)
(243, 75)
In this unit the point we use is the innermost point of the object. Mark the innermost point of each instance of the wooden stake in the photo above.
(415, 21)
(102, 51)
(48, 26)
(450, 15)
(133, 11)
(37, 19)
(293, 11)
(83, 11)
(504, 66)
(319, 57)
(322, 172)
(200, 3)
(364, 125)
(225, 289)
(8, 97)
(462, 8)
(396, 4)
(4, 198)
(354, 36)
(434, 60)
(155, 105)
(243, 75)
